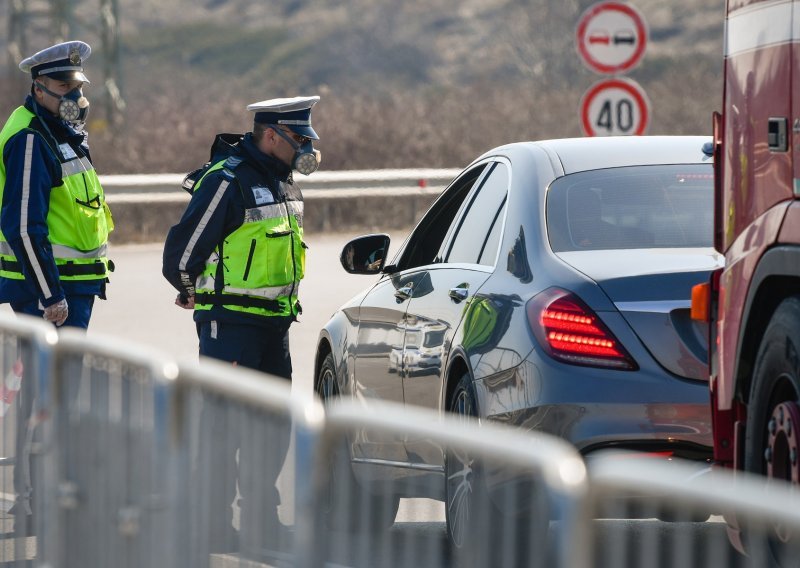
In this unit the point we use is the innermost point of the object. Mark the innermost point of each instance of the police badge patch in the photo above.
(74, 56)
(262, 195)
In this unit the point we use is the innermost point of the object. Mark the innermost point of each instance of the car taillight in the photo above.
(569, 331)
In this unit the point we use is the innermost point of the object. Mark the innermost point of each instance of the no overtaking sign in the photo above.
(611, 37)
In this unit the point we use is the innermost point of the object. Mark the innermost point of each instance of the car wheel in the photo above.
(460, 472)
(326, 386)
(772, 441)
(347, 505)
(475, 522)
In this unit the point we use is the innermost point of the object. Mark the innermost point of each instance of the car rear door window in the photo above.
(479, 229)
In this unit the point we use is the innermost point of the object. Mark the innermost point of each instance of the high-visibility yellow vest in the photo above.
(261, 263)
(78, 219)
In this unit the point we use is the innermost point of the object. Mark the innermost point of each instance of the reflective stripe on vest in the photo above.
(263, 265)
(78, 218)
(270, 292)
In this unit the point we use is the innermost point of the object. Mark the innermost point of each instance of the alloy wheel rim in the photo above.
(782, 451)
(326, 385)
(459, 479)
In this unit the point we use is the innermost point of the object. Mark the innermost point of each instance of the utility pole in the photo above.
(35, 24)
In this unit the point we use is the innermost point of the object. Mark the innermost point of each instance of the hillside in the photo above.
(440, 42)
(403, 83)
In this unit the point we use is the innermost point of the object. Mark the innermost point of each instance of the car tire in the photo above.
(774, 394)
(475, 523)
(346, 504)
(473, 520)
(459, 471)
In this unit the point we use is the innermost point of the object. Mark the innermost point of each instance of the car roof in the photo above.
(592, 153)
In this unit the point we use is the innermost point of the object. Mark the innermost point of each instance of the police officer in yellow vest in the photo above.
(237, 257)
(54, 218)
(54, 221)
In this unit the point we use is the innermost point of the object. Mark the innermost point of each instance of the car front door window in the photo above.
(479, 229)
(427, 238)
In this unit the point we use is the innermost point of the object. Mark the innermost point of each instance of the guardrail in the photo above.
(146, 206)
(127, 459)
(345, 179)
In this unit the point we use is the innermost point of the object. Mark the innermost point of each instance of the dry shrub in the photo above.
(170, 129)
(400, 129)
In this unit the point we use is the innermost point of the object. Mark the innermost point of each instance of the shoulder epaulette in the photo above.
(232, 162)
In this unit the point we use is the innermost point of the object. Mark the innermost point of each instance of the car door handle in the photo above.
(403, 294)
(458, 294)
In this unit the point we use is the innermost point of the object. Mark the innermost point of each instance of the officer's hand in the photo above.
(184, 302)
(57, 313)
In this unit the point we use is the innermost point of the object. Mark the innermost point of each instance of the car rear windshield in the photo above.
(634, 207)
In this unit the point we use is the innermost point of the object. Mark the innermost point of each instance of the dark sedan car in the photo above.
(548, 288)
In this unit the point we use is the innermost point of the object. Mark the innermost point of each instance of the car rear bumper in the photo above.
(594, 409)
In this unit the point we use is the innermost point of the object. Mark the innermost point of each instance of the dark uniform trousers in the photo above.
(262, 442)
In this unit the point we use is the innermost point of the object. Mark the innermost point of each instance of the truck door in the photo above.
(759, 112)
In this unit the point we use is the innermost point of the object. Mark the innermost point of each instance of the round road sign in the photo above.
(614, 107)
(611, 37)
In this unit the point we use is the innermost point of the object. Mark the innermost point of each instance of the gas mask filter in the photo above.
(306, 159)
(73, 107)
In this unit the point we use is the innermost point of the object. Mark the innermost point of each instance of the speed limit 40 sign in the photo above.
(614, 107)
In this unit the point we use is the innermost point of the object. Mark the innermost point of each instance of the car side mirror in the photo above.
(365, 254)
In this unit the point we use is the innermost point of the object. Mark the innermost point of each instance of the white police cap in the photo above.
(294, 112)
(63, 61)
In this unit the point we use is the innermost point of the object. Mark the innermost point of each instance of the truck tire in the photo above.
(770, 437)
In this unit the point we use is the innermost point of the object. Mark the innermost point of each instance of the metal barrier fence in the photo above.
(501, 490)
(647, 512)
(132, 460)
(24, 352)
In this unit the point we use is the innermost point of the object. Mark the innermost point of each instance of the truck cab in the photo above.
(755, 299)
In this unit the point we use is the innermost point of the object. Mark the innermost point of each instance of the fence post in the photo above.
(308, 421)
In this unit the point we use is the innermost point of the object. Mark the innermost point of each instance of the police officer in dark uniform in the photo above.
(237, 257)
(54, 221)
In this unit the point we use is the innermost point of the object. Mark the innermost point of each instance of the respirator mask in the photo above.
(73, 107)
(306, 159)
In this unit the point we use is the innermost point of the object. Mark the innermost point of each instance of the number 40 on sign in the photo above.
(615, 107)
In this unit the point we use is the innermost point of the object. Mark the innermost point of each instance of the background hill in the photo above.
(403, 84)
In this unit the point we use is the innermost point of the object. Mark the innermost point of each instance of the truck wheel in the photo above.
(772, 444)
(348, 506)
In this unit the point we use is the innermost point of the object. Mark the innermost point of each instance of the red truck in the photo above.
(754, 301)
